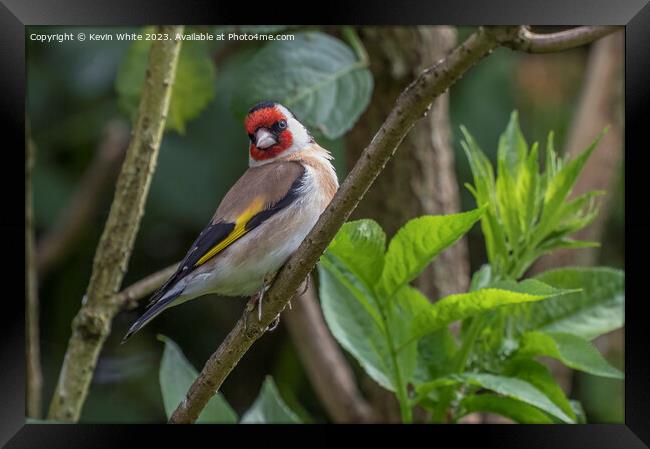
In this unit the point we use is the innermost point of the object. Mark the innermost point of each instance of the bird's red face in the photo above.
(269, 131)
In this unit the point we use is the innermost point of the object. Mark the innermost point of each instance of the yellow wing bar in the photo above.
(239, 230)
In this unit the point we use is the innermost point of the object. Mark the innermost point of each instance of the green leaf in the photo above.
(408, 303)
(566, 243)
(595, 310)
(193, 87)
(464, 305)
(528, 190)
(513, 149)
(269, 408)
(177, 375)
(316, 75)
(559, 186)
(352, 323)
(514, 409)
(417, 243)
(436, 353)
(511, 158)
(484, 191)
(575, 352)
(481, 277)
(506, 386)
(581, 416)
(360, 245)
(540, 377)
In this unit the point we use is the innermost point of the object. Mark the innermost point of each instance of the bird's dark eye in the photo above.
(280, 125)
(251, 137)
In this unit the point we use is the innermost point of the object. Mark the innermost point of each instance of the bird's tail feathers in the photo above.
(153, 310)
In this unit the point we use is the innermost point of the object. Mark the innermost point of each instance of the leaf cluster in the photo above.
(402, 339)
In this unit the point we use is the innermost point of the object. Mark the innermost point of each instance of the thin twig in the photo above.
(92, 324)
(33, 351)
(329, 372)
(129, 297)
(81, 208)
(563, 40)
(411, 105)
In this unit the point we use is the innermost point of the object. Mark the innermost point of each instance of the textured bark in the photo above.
(412, 104)
(422, 178)
(531, 42)
(329, 372)
(33, 350)
(92, 324)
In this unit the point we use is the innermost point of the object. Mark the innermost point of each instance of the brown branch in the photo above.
(411, 105)
(423, 169)
(129, 297)
(81, 208)
(329, 372)
(563, 40)
(92, 324)
(33, 352)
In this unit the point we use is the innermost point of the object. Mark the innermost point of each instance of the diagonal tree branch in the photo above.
(420, 94)
(92, 324)
(411, 105)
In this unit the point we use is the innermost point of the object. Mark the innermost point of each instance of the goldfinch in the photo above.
(262, 219)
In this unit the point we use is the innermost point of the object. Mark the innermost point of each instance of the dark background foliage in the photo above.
(71, 95)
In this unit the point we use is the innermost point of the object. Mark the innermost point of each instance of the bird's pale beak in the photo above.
(264, 139)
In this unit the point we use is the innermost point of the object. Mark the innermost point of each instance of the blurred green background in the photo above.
(71, 95)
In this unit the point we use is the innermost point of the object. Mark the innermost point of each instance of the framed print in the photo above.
(399, 214)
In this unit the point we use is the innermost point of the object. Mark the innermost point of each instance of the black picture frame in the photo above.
(16, 14)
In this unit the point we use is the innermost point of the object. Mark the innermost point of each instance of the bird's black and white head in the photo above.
(274, 132)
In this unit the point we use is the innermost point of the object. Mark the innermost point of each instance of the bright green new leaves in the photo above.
(193, 87)
(575, 352)
(464, 305)
(436, 354)
(540, 377)
(176, 376)
(593, 307)
(595, 310)
(364, 293)
(269, 408)
(317, 76)
(510, 387)
(418, 242)
(528, 212)
(514, 409)
(361, 244)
